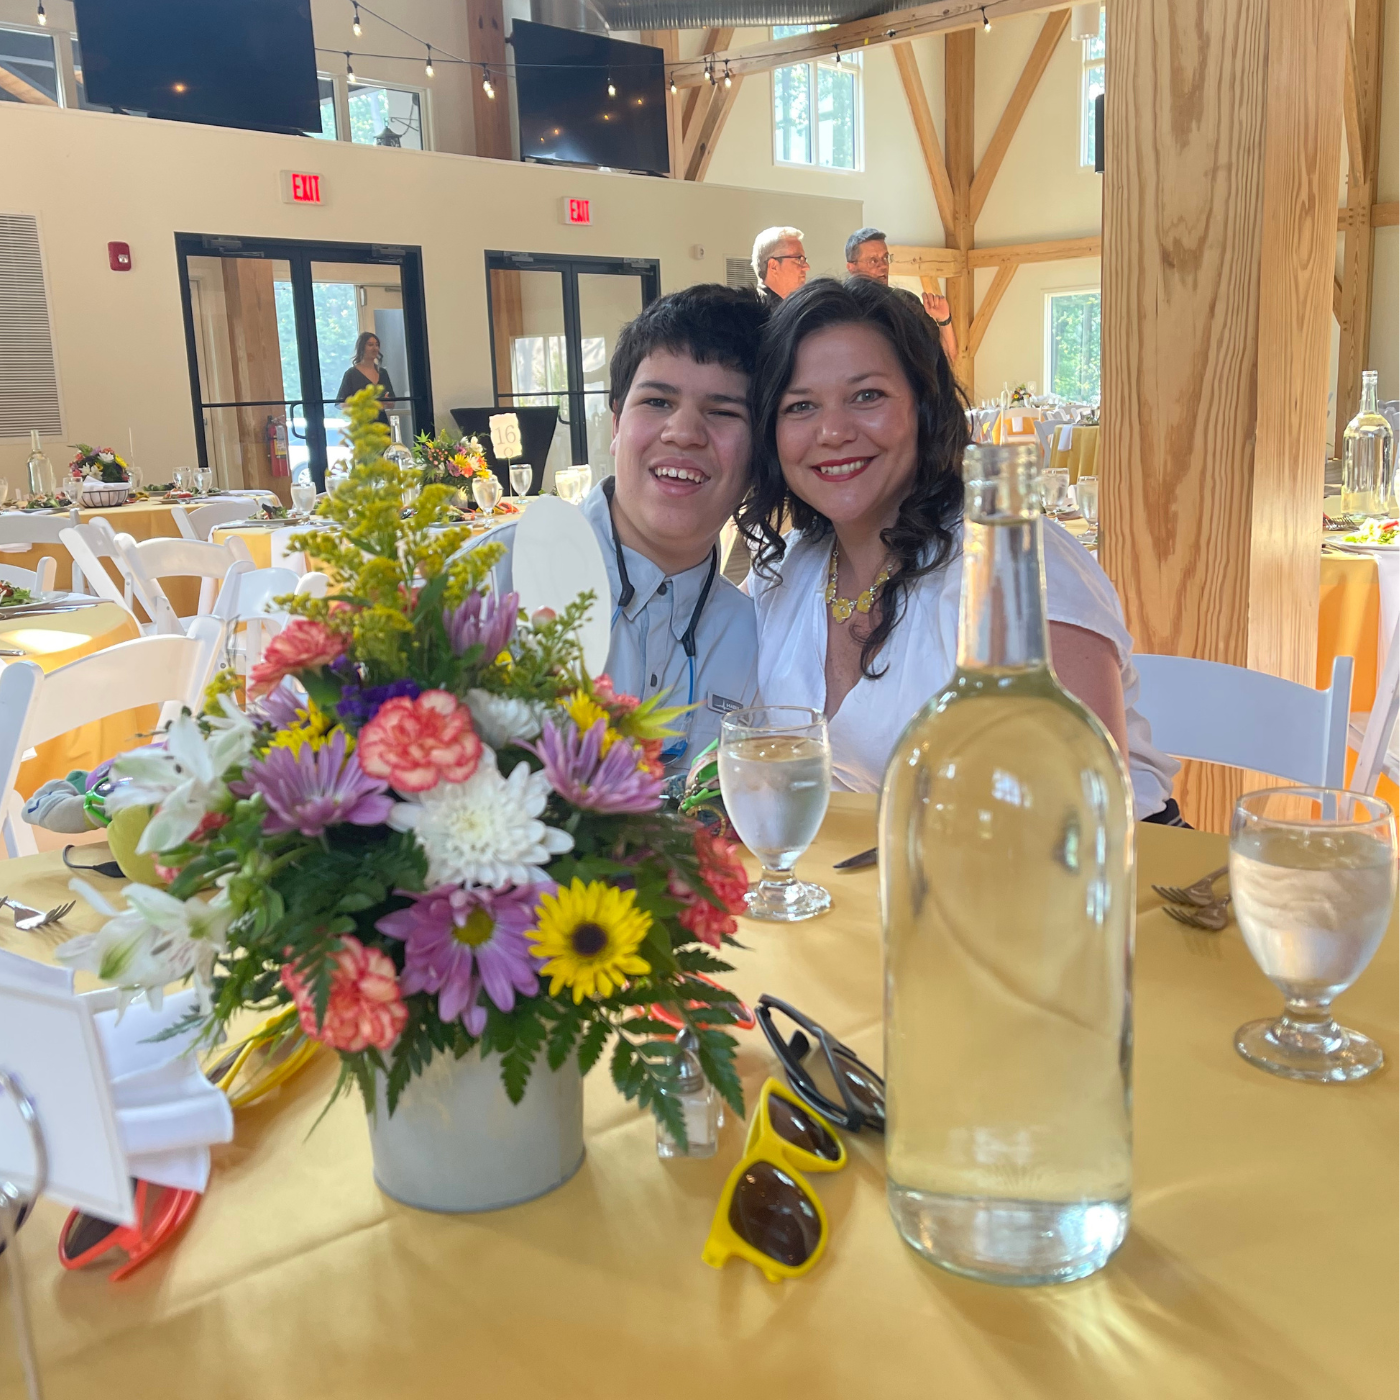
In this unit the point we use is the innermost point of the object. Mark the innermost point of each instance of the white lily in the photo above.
(157, 939)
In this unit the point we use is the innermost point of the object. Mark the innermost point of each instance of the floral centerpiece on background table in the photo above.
(449, 836)
(103, 477)
(449, 460)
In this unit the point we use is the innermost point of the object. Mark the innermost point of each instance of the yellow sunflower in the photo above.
(590, 935)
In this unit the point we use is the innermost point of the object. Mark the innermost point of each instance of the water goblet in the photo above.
(71, 489)
(521, 478)
(1054, 485)
(303, 495)
(204, 480)
(1087, 493)
(566, 483)
(4, 490)
(134, 476)
(1312, 875)
(487, 491)
(184, 479)
(775, 776)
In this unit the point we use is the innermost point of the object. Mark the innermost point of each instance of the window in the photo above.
(28, 68)
(1091, 84)
(816, 108)
(386, 116)
(1072, 344)
(328, 131)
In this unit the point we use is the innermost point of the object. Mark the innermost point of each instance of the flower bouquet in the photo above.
(430, 830)
(105, 477)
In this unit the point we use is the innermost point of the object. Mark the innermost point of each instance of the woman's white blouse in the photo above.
(921, 652)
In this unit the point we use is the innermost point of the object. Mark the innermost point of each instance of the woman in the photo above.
(366, 371)
(859, 430)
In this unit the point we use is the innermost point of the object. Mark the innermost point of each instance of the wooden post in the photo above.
(669, 42)
(487, 46)
(255, 357)
(959, 91)
(1224, 135)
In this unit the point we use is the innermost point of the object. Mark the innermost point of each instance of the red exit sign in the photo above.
(299, 187)
(576, 211)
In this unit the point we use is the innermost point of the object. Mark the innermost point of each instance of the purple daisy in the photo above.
(280, 705)
(312, 789)
(581, 773)
(458, 940)
(484, 619)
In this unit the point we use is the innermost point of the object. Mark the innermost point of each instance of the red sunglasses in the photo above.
(161, 1211)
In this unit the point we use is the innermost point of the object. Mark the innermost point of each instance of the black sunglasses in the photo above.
(862, 1090)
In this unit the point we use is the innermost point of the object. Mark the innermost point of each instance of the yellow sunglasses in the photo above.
(767, 1213)
(266, 1059)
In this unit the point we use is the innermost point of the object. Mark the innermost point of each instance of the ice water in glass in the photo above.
(521, 478)
(1086, 491)
(487, 491)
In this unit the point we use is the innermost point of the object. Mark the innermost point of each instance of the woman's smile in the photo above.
(841, 469)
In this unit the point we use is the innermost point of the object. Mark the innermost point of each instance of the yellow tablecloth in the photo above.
(1081, 457)
(1348, 623)
(53, 640)
(1262, 1258)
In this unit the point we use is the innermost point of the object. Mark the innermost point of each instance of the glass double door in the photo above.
(273, 330)
(554, 325)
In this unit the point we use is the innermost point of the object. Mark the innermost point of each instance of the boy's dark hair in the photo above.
(713, 324)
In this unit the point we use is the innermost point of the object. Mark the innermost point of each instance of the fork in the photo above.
(1200, 893)
(29, 919)
(1207, 916)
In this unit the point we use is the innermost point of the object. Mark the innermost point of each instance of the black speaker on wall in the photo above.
(1098, 134)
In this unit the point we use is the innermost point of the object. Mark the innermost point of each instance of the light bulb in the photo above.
(612, 91)
(728, 81)
(673, 84)
(428, 66)
(41, 16)
(349, 70)
(355, 24)
(986, 23)
(486, 83)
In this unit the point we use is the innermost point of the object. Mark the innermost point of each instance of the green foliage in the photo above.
(1074, 345)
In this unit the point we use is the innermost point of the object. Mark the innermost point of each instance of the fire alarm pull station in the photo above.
(119, 257)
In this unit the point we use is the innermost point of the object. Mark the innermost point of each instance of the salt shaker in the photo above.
(699, 1105)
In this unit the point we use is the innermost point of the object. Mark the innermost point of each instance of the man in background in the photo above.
(868, 255)
(779, 263)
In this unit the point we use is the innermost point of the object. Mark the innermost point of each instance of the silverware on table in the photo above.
(1213, 916)
(12, 651)
(1201, 893)
(859, 862)
(29, 919)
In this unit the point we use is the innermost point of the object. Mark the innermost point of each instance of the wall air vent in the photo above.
(28, 376)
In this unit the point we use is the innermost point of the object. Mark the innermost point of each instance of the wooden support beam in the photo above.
(712, 42)
(959, 96)
(1051, 250)
(1225, 125)
(990, 302)
(486, 45)
(1051, 31)
(913, 84)
(707, 128)
(22, 91)
(1351, 111)
(1385, 215)
(669, 42)
(908, 261)
(1337, 298)
(895, 27)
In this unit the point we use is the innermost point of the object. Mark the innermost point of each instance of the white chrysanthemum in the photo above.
(502, 719)
(485, 831)
(157, 939)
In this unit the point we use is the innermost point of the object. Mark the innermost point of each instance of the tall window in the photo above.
(28, 69)
(328, 131)
(1072, 344)
(1091, 84)
(816, 108)
(386, 116)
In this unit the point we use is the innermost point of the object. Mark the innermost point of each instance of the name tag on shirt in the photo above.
(722, 704)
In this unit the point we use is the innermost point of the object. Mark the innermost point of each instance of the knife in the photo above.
(859, 862)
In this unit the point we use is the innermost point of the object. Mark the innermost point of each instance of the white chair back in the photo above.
(313, 585)
(153, 560)
(20, 533)
(1215, 713)
(37, 580)
(89, 545)
(35, 707)
(200, 522)
(1375, 743)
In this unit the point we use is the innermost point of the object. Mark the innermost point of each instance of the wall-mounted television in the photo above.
(251, 63)
(566, 114)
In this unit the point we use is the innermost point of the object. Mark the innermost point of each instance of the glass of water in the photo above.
(568, 484)
(1054, 485)
(487, 491)
(1312, 875)
(303, 494)
(1086, 490)
(775, 776)
(522, 476)
(204, 480)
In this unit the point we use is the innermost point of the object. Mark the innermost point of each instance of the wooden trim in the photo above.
(898, 26)
(1337, 298)
(1051, 31)
(714, 40)
(1052, 250)
(1385, 215)
(917, 97)
(926, 262)
(990, 302)
(1351, 111)
(708, 127)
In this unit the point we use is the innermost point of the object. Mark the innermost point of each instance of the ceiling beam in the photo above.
(24, 92)
(714, 40)
(990, 302)
(908, 261)
(1050, 33)
(707, 127)
(1385, 215)
(1050, 250)
(919, 110)
(669, 42)
(898, 25)
(1351, 112)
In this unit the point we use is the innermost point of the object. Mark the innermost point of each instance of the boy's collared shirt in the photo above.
(646, 656)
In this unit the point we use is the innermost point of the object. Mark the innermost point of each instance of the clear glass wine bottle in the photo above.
(396, 452)
(1368, 457)
(42, 481)
(1006, 858)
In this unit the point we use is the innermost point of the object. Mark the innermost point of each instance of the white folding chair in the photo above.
(200, 522)
(35, 707)
(312, 585)
(1216, 713)
(1374, 737)
(246, 600)
(89, 545)
(20, 533)
(153, 560)
(37, 580)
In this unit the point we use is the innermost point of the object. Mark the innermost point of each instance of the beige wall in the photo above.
(92, 177)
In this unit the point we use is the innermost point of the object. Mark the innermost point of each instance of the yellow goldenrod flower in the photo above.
(590, 934)
(585, 712)
(314, 726)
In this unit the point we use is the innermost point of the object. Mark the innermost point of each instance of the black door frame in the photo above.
(300, 254)
(569, 266)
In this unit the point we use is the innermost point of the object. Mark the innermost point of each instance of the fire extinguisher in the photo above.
(277, 445)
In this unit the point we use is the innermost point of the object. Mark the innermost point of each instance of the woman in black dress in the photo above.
(365, 371)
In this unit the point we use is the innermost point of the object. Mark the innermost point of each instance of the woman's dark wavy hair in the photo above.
(923, 537)
(361, 341)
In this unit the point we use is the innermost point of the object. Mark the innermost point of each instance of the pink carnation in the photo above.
(418, 743)
(726, 879)
(302, 645)
(364, 1007)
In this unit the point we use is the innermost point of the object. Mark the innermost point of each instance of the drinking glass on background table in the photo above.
(521, 478)
(1087, 491)
(184, 479)
(204, 480)
(487, 491)
(569, 484)
(1312, 874)
(303, 494)
(775, 776)
(1054, 485)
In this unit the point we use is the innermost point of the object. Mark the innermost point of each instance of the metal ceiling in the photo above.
(622, 15)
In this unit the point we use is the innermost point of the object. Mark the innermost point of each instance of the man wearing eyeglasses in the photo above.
(779, 262)
(868, 255)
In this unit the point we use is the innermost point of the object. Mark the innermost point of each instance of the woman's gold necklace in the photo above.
(842, 608)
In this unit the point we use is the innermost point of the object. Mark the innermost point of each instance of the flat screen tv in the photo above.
(566, 114)
(250, 64)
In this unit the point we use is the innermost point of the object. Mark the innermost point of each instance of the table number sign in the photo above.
(505, 436)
